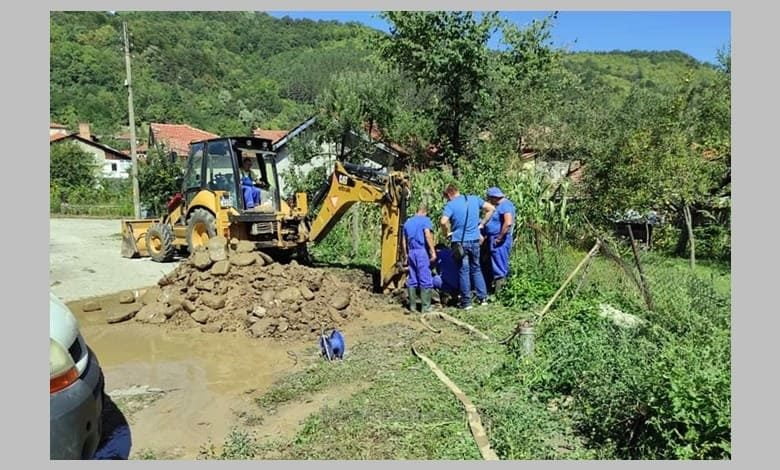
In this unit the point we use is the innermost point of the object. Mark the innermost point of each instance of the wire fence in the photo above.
(636, 279)
(94, 210)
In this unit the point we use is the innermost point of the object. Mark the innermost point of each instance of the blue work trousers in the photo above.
(471, 274)
(251, 193)
(419, 269)
(499, 256)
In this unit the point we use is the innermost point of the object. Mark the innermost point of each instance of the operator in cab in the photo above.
(249, 179)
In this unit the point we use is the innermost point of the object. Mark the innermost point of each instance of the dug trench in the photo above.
(213, 336)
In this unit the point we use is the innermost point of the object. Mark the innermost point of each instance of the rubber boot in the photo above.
(412, 293)
(425, 294)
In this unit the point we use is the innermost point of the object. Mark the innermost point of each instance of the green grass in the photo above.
(591, 391)
(131, 405)
(147, 454)
(405, 412)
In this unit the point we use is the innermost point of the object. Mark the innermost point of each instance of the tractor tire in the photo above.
(159, 242)
(201, 225)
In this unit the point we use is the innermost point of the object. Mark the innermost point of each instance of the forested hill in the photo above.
(203, 68)
(224, 71)
(650, 69)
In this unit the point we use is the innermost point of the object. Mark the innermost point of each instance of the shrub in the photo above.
(71, 167)
(157, 180)
(658, 391)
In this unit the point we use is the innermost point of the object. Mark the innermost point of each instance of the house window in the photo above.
(113, 167)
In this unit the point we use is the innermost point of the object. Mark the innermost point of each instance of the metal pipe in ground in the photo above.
(526, 335)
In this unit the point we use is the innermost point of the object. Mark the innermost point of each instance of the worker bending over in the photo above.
(420, 254)
(446, 278)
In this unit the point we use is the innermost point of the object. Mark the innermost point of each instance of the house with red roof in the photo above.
(176, 138)
(56, 129)
(112, 163)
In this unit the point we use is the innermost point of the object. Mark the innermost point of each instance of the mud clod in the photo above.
(156, 312)
(150, 296)
(205, 285)
(122, 313)
(220, 268)
(188, 306)
(306, 293)
(340, 301)
(259, 311)
(200, 316)
(212, 328)
(244, 246)
(201, 260)
(126, 297)
(213, 301)
(243, 259)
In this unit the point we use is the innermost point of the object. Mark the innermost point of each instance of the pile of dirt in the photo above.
(230, 287)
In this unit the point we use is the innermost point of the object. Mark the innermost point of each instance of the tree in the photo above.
(448, 51)
(71, 167)
(666, 151)
(356, 102)
(157, 180)
(529, 53)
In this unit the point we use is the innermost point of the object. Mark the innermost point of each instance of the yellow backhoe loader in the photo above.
(211, 203)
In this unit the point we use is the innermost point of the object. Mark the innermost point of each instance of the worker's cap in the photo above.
(494, 192)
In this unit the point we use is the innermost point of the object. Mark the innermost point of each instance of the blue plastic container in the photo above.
(332, 346)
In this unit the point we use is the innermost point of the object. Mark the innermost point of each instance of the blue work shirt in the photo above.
(447, 268)
(414, 231)
(456, 211)
(493, 226)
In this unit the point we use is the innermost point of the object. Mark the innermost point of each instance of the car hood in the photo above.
(63, 326)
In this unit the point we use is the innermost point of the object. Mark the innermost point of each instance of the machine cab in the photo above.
(239, 167)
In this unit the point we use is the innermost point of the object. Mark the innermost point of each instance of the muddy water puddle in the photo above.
(208, 379)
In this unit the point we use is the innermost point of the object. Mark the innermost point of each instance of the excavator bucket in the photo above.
(134, 237)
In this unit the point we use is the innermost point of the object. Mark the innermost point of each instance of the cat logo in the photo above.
(343, 180)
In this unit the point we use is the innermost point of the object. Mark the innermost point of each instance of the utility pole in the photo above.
(131, 117)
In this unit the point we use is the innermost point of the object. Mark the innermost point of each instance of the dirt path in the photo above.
(84, 260)
(210, 380)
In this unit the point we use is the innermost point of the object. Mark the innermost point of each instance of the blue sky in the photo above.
(698, 33)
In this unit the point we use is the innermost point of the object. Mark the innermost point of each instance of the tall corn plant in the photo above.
(427, 187)
(540, 215)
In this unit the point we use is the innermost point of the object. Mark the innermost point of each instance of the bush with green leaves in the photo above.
(661, 390)
(71, 167)
(157, 180)
(713, 241)
(56, 197)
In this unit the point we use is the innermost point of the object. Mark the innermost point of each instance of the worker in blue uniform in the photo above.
(418, 245)
(461, 222)
(249, 177)
(498, 235)
(446, 279)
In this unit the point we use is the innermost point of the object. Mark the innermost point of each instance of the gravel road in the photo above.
(84, 260)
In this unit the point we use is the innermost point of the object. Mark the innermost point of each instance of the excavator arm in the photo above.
(350, 184)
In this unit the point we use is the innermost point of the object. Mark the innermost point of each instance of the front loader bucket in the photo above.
(134, 237)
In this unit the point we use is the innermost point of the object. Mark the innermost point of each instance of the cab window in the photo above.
(194, 166)
(220, 175)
